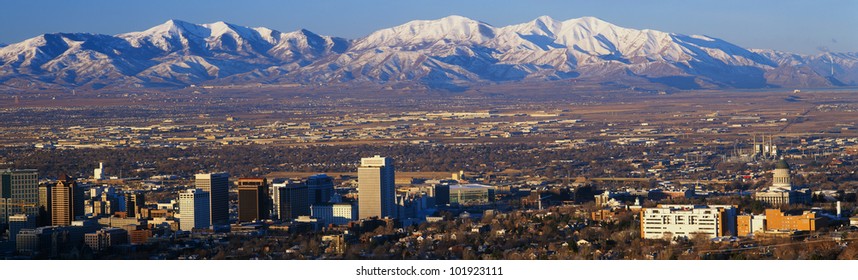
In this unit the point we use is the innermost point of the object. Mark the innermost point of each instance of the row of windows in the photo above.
(677, 216)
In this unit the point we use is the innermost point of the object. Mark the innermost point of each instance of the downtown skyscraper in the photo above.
(217, 185)
(253, 201)
(19, 193)
(194, 207)
(376, 187)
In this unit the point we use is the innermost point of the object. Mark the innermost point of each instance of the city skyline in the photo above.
(463, 132)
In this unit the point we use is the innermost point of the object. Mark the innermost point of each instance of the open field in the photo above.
(306, 116)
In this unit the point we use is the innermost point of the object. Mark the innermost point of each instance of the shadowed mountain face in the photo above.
(452, 52)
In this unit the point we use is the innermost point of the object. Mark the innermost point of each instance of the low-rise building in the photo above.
(19, 222)
(106, 238)
(337, 213)
(42, 241)
(806, 221)
(139, 236)
(776, 223)
(471, 194)
(747, 225)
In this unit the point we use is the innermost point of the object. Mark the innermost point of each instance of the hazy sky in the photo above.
(788, 25)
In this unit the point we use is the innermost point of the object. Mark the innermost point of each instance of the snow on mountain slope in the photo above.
(451, 51)
(833, 68)
(428, 33)
(175, 53)
(540, 49)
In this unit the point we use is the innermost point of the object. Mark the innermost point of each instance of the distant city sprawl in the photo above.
(512, 172)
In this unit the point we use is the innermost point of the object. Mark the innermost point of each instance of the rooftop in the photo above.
(471, 186)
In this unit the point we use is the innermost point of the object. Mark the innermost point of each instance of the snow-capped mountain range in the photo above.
(452, 51)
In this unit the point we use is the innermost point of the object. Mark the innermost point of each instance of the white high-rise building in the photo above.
(376, 188)
(194, 209)
(274, 192)
(98, 173)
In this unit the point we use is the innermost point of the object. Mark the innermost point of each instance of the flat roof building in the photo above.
(376, 188)
(686, 221)
(66, 202)
(217, 185)
(320, 187)
(19, 193)
(293, 201)
(253, 202)
(337, 213)
(18, 222)
(471, 194)
(105, 238)
(194, 209)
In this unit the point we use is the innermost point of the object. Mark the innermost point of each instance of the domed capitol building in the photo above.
(782, 191)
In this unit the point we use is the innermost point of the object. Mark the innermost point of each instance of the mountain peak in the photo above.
(546, 25)
(219, 25)
(449, 29)
(175, 27)
(455, 18)
(219, 28)
(452, 23)
(544, 19)
(175, 24)
(590, 22)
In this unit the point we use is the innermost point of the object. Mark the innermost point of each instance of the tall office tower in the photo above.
(276, 183)
(19, 193)
(376, 187)
(98, 173)
(45, 204)
(320, 187)
(293, 201)
(253, 202)
(66, 202)
(133, 202)
(194, 209)
(217, 185)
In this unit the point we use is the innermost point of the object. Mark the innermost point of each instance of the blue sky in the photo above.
(788, 25)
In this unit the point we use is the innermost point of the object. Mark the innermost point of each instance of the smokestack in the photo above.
(838, 209)
(755, 146)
